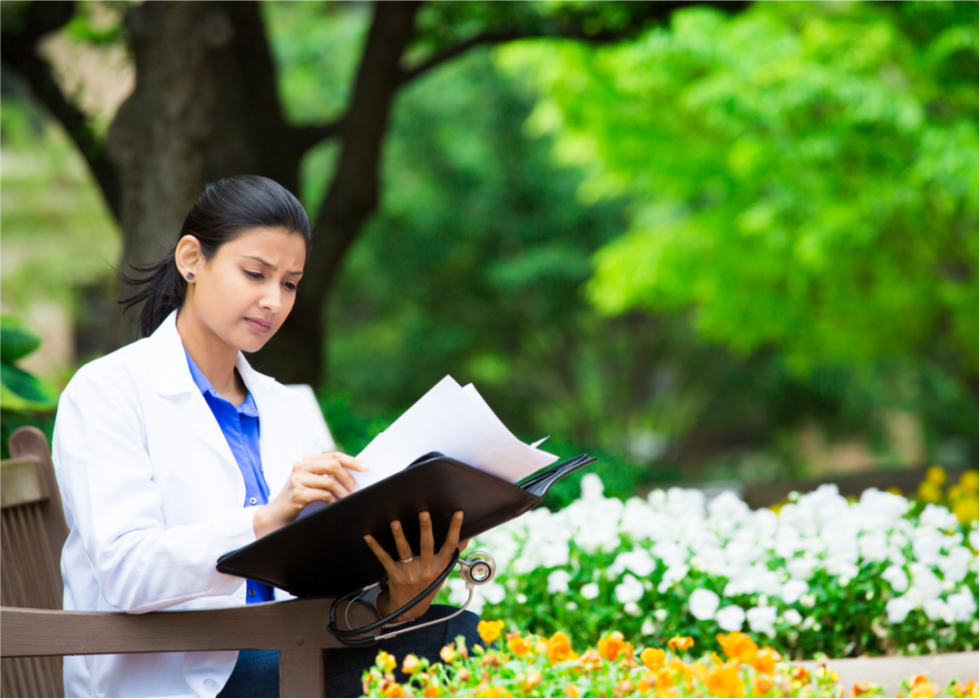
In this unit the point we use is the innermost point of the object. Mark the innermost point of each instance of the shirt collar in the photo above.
(247, 407)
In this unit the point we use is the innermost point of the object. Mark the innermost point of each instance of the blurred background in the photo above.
(731, 245)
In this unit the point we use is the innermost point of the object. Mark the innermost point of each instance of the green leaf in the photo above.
(16, 339)
(20, 391)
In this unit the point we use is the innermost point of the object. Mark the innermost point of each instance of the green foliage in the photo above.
(803, 176)
(24, 398)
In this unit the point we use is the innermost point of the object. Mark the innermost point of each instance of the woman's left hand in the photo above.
(408, 577)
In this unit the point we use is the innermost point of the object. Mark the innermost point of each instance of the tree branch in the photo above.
(19, 50)
(657, 12)
(305, 137)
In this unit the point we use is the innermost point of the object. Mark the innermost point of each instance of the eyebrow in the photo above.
(271, 266)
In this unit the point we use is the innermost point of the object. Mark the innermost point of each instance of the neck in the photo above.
(214, 357)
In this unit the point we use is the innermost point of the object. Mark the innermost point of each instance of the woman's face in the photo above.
(245, 292)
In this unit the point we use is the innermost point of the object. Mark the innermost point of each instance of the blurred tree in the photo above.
(803, 176)
(207, 105)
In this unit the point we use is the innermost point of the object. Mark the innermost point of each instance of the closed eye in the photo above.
(253, 275)
(289, 285)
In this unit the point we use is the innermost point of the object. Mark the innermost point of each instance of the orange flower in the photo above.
(495, 693)
(394, 691)
(665, 680)
(724, 681)
(924, 689)
(679, 668)
(653, 658)
(968, 688)
(800, 673)
(571, 691)
(517, 645)
(559, 648)
(737, 646)
(919, 679)
(448, 654)
(532, 679)
(490, 630)
(761, 684)
(862, 688)
(611, 646)
(680, 643)
(411, 664)
(591, 660)
(765, 660)
(386, 661)
(430, 691)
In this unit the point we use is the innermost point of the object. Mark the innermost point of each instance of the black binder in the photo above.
(323, 553)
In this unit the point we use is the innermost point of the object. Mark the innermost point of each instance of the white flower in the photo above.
(571, 606)
(648, 628)
(703, 604)
(589, 590)
(975, 539)
(730, 618)
(632, 609)
(808, 600)
(630, 590)
(956, 563)
(897, 578)
(792, 589)
(521, 598)
(558, 581)
(660, 614)
(638, 561)
(935, 609)
(493, 593)
(792, 617)
(962, 607)
(762, 619)
(591, 487)
(938, 517)
(898, 608)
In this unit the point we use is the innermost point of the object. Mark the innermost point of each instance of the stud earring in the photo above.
(190, 276)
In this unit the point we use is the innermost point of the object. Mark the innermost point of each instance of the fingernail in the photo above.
(424, 516)
(367, 538)
(396, 526)
(458, 516)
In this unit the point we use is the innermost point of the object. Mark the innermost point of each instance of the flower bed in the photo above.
(535, 666)
(821, 575)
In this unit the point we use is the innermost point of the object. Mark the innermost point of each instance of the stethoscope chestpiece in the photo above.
(478, 568)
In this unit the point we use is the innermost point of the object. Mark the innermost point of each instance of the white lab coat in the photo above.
(153, 497)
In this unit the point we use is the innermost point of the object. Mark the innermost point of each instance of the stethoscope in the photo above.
(476, 569)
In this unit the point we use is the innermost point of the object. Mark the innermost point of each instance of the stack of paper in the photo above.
(456, 421)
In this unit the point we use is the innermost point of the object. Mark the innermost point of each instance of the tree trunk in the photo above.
(204, 107)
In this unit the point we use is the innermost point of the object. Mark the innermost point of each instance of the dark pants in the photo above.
(256, 673)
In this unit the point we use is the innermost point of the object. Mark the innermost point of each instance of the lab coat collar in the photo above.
(172, 376)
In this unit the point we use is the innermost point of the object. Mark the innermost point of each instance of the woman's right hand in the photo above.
(318, 477)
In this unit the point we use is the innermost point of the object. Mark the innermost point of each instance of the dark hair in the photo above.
(225, 210)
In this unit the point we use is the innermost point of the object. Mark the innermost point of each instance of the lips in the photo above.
(259, 325)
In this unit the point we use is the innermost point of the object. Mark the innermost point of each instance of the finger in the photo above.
(326, 482)
(341, 474)
(463, 544)
(404, 549)
(382, 555)
(452, 537)
(426, 542)
(347, 461)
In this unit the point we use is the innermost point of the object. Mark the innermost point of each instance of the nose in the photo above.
(272, 299)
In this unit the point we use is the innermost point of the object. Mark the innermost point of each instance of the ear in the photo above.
(188, 256)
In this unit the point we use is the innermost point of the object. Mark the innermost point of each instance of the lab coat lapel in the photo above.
(271, 428)
(172, 379)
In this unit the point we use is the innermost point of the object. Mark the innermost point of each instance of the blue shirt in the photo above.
(241, 428)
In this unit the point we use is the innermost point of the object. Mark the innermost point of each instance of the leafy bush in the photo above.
(821, 575)
(24, 398)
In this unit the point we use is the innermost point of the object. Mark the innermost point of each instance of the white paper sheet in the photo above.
(458, 423)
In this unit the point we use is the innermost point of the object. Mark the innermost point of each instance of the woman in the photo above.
(173, 451)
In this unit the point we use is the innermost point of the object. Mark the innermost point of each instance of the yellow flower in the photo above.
(724, 681)
(517, 645)
(966, 510)
(923, 690)
(385, 661)
(559, 648)
(532, 680)
(761, 684)
(680, 643)
(611, 646)
(653, 658)
(430, 691)
(411, 664)
(394, 691)
(490, 630)
(738, 646)
(571, 691)
(929, 492)
(495, 693)
(969, 480)
(862, 688)
(765, 660)
(447, 654)
(936, 475)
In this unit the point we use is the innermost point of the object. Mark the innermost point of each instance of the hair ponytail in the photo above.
(163, 292)
(225, 210)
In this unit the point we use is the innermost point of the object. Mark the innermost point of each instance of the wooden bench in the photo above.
(36, 632)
